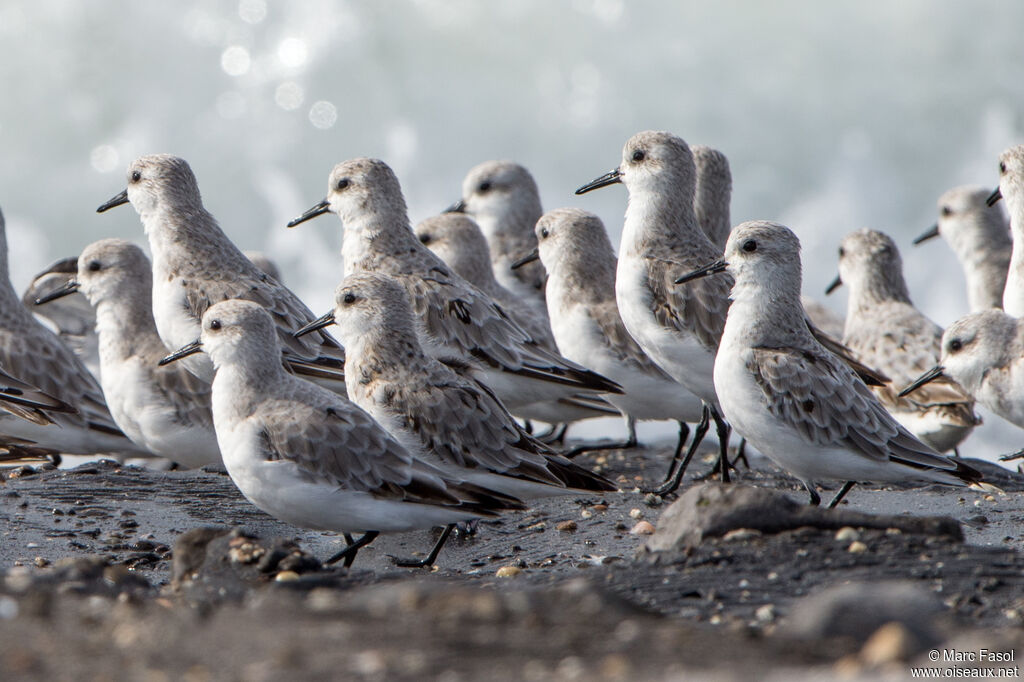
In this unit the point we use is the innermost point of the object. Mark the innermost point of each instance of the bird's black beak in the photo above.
(319, 323)
(609, 178)
(528, 258)
(932, 232)
(318, 210)
(70, 287)
(931, 375)
(836, 283)
(458, 207)
(994, 197)
(184, 351)
(117, 200)
(709, 269)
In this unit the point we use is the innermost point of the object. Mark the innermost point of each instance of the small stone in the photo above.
(893, 531)
(857, 547)
(566, 526)
(635, 513)
(715, 619)
(847, 534)
(766, 613)
(508, 572)
(599, 507)
(286, 577)
(741, 534)
(41, 562)
(890, 643)
(642, 528)
(586, 514)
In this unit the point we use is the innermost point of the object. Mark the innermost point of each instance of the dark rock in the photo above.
(714, 509)
(856, 610)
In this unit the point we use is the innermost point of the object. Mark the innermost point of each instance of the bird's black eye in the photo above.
(750, 245)
(484, 186)
(214, 324)
(639, 155)
(94, 266)
(341, 184)
(1002, 167)
(955, 345)
(136, 176)
(349, 298)
(842, 252)
(544, 234)
(425, 238)
(947, 211)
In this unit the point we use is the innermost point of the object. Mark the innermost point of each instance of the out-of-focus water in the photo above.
(835, 116)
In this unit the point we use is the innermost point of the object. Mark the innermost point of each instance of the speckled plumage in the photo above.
(886, 331)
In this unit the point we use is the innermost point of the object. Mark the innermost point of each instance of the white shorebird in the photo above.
(195, 265)
(984, 353)
(34, 355)
(309, 456)
(886, 331)
(425, 404)
(678, 328)
(1011, 188)
(455, 318)
(574, 249)
(791, 397)
(163, 409)
(980, 237)
(502, 197)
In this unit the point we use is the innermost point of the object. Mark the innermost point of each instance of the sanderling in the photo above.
(458, 241)
(679, 328)
(456, 319)
(34, 355)
(426, 405)
(712, 193)
(264, 263)
(980, 237)
(195, 265)
(163, 409)
(71, 317)
(984, 353)
(502, 197)
(788, 395)
(309, 456)
(886, 331)
(1011, 188)
(580, 263)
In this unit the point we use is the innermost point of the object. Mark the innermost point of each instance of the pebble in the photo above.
(847, 534)
(642, 528)
(766, 613)
(586, 514)
(508, 572)
(890, 643)
(857, 547)
(41, 562)
(635, 513)
(740, 534)
(286, 577)
(566, 526)
(599, 507)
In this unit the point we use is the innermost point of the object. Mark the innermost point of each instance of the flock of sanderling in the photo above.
(494, 309)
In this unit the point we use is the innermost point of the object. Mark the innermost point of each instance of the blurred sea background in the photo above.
(835, 116)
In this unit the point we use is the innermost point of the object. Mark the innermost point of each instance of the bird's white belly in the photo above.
(680, 354)
(176, 326)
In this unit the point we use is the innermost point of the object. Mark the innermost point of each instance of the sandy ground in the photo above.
(98, 583)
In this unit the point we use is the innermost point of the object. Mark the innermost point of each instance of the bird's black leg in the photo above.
(723, 429)
(349, 552)
(675, 472)
(841, 494)
(815, 497)
(430, 558)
